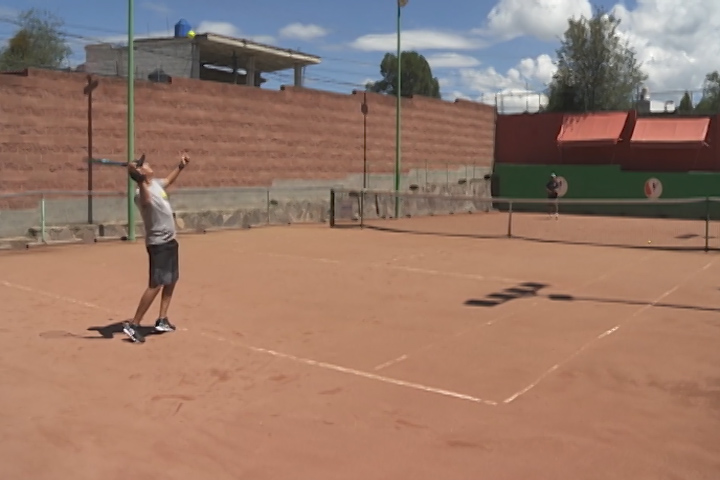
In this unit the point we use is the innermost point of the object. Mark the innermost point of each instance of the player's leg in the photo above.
(132, 328)
(171, 269)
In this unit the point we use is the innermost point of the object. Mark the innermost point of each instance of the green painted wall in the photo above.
(609, 182)
(602, 181)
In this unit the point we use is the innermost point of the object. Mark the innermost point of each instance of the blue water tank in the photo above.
(182, 28)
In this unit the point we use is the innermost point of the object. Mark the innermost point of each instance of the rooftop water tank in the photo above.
(182, 28)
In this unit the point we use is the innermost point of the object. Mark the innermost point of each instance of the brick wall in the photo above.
(237, 135)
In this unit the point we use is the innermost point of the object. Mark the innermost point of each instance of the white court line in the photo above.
(391, 362)
(274, 353)
(505, 316)
(54, 296)
(607, 333)
(352, 371)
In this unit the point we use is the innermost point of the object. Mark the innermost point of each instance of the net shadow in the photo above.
(573, 298)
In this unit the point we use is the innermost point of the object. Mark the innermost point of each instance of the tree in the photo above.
(596, 69)
(39, 42)
(710, 101)
(417, 77)
(686, 105)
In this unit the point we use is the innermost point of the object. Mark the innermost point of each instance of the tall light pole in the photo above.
(131, 116)
(398, 92)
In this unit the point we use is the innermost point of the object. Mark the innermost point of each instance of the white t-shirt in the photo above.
(158, 215)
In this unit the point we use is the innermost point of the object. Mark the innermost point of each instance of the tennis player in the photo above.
(552, 187)
(160, 242)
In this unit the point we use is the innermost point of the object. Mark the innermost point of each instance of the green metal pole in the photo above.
(397, 116)
(43, 220)
(131, 117)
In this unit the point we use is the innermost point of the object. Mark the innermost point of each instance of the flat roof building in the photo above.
(206, 56)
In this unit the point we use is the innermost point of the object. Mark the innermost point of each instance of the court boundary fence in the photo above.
(353, 208)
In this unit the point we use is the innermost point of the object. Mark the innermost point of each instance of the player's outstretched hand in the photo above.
(184, 160)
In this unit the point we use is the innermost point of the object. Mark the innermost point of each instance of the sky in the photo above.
(479, 50)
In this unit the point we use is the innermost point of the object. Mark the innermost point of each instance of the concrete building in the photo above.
(207, 56)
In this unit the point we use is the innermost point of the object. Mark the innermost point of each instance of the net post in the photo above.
(707, 224)
(362, 208)
(510, 212)
(43, 220)
(267, 205)
(332, 207)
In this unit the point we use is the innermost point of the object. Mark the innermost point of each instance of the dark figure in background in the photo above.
(552, 190)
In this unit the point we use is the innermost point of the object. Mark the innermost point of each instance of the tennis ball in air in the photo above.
(191, 34)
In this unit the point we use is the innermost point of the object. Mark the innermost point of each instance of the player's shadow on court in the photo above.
(573, 298)
(109, 331)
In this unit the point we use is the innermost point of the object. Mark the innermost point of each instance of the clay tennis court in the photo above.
(307, 352)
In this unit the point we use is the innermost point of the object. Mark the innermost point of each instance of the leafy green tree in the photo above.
(39, 42)
(417, 77)
(686, 105)
(710, 101)
(596, 69)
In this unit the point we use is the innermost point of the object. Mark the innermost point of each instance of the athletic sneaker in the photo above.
(164, 325)
(133, 331)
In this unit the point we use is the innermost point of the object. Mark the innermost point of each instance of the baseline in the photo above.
(274, 353)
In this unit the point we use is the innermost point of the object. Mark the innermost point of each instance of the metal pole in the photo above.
(88, 90)
(364, 110)
(510, 212)
(43, 220)
(131, 117)
(400, 4)
(707, 224)
(365, 113)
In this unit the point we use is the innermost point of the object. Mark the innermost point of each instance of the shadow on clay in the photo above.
(104, 332)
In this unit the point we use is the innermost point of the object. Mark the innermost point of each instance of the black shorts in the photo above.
(553, 195)
(164, 263)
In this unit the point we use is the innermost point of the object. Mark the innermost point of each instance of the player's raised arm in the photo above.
(170, 179)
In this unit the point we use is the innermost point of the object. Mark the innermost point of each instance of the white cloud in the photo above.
(542, 19)
(416, 40)
(452, 60)
(298, 31)
(156, 7)
(221, 28)
(513, 90)
(230, 30)
(675, 42)
(445, 82)
(540, 69)
(673, 39)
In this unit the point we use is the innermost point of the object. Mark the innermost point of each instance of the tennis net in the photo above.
(676, 224)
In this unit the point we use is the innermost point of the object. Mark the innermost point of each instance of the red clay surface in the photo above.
(318, 353)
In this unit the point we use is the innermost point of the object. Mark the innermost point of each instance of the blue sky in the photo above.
(476, 47)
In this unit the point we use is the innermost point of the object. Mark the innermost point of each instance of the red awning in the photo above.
(656, 132)
(592, 129)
